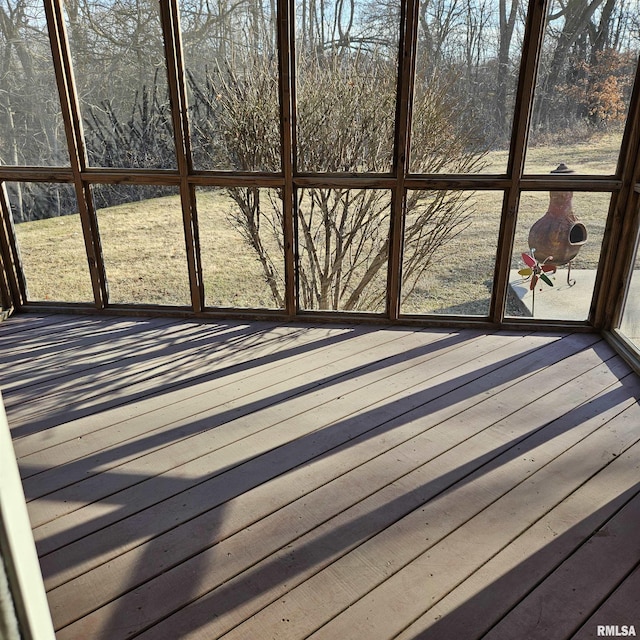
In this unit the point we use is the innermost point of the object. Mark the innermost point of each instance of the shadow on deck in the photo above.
(260, 480)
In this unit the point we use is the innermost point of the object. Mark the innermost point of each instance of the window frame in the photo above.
(614, 265)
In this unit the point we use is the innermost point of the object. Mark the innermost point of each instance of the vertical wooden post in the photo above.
(170, 18)
(75, 143)
(406, 69)
(6, 299)
(534, 32)
(286, 89)
(12, 282)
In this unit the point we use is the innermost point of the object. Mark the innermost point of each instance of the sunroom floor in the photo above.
(253, 480)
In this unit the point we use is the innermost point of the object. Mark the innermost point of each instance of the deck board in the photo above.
(619, 609)
(240, 480)
(217, 400)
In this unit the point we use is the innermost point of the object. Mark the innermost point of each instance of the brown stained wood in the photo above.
(12, 333)
(214, 399)
(581, 183)
(90, 342)
(244, 435)
(264, 467)
(482, 599)
(581, 583)
(35, 174)
(220, 486)
(541, 481)
(106, 175)
(311, 514)
(490, 592)
(382, 555)
(6, 299)
(309, 507)
(141, 360)
(170, 20)
(72, 119)
(287, 105)
(384, 427)
(345, 181)
(11, 263)
(534, 31)
(625, 347)
(145, 369)
(210, 346)
(131, 176)
(533, 37)
(621, 608)
(228, 366)
(402, 145)
(463, 355)
(347, 489)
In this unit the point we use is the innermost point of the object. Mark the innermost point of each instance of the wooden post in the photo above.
(170, 19)
(406, 71)
(12, 282)
(534, 32)
(75, 144)
(286, 89)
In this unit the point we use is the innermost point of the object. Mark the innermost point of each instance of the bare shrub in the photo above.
(345, 123)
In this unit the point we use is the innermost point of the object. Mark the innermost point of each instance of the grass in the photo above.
(145, 256)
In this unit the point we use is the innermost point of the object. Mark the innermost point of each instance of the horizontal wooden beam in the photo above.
(225, 179)
(36, 174)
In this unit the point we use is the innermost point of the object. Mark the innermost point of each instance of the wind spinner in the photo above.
(536, 271)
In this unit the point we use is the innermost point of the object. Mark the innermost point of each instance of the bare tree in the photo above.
(508, 16)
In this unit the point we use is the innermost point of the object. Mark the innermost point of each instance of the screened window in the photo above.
(307, 159)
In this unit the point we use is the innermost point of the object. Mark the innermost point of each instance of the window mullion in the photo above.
(170, 18)
(77, 153)
(406, 71)
(13, 282)
(286, 88)
(534, 31)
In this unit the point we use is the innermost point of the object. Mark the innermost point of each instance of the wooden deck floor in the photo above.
(256, 481)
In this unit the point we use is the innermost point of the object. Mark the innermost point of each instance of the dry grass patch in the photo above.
(233, 275)
(145, 254)
(54, 260)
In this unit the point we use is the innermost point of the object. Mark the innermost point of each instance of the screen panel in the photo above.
(31, 126)
(50, 241)
(346, 85)
(582, 92)
(560, 234)
(118, 61)
(467, 66)
(343, 248)
(450, 243)
(231, 64)
(242, 247)
(143, 244)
